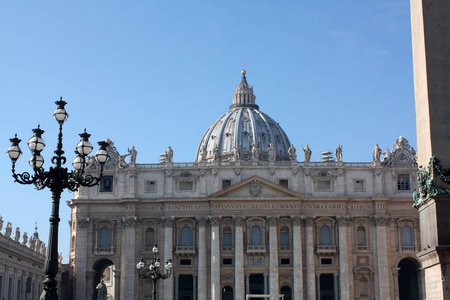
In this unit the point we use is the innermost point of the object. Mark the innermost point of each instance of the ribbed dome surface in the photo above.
(236, 130)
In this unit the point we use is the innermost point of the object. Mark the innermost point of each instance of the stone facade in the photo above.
(250, 224)
(22, 265)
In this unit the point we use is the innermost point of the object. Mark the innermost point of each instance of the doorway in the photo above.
(327, 288)
(408, 279)
(185, 287)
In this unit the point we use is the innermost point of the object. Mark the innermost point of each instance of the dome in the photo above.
(236, 134)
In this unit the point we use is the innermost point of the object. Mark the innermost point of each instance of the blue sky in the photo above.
(158, 73)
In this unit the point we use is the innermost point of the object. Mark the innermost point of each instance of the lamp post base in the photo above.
(49, 291)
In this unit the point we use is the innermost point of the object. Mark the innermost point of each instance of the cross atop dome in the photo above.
(243, 94)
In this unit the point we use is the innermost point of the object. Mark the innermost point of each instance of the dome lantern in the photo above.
(233, 135)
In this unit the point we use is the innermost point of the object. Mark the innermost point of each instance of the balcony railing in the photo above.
(362, 248)
(285, 248)
(322, 249)
(256, 249)
(104, 251)
(185, 250)
(407, 249)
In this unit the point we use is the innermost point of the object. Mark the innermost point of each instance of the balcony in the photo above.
(185, 250)
(253, 249)
(227, 249)
(362, 248)
(104, 251)
(326, 249)
(407, 249)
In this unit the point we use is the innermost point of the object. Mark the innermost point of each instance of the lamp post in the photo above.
(153, 269)
(57, 178)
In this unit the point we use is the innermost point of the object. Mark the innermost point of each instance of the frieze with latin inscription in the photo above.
(254, 206)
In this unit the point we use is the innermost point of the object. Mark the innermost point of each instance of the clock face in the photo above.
(402, 156)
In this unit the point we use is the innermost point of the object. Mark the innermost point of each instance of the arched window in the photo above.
(149, 237)
(364, 289)
(256, 236)
(227, 293)
(287, 292)
(284, 236)
(105, 238)
(227, 237)
(325, 235)
(361, 236)
(407, 238)
(186, 236)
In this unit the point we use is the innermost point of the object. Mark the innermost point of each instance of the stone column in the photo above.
(266, 286)
(81, 258)
(239, 288)
(297, 256)
(336, 296)
(247, 283)
(274, 286)
(202, 259)
(395, 282)
(177, 281)
(128, 257)
(384, 289)
(90, 283)
(317, 286)
(430, 26)
(194, 296)
(168, 230)
(344, 290)
(215, 257)
(116, 283)
(310, 258)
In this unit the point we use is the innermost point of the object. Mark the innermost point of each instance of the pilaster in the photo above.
(310, 258)
(81, 257)
(384, 288)
(215, 257)
(297, 222)
(168, 230)
(239, 288)
(273, 256)
(128, 258)
(343, 222)
(202, 258)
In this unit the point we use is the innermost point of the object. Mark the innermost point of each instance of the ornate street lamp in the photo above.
(153, 269)
(57, 178)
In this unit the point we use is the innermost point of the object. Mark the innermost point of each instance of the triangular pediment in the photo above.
(256, 187)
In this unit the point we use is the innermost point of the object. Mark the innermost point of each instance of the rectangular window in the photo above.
(326, 261)
(226, 183)
(150, 186)
(227, 261)
(358, 185)
(185, 262)
(284, 239)
(106, 184)
(324, 185)
(227, 239)
(403, 183)
(186, 185)
(285, 261)
(284, 183)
